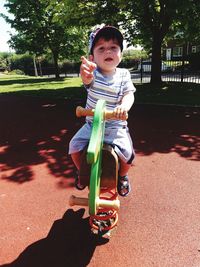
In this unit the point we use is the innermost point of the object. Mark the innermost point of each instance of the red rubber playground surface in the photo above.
(159, 222)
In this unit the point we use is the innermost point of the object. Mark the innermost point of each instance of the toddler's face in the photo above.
(107, 55)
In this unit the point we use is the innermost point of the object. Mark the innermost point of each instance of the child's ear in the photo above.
(120, 59)
(91, 58)
(121, 56)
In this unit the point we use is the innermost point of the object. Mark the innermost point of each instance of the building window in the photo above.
(177, 51)
(194, 49)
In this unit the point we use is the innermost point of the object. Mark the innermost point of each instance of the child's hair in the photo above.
(107, 33)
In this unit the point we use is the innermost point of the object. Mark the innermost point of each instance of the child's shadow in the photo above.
(69, 243)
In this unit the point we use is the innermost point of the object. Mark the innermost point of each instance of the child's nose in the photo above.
(108, 50)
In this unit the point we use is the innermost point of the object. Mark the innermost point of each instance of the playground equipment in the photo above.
(99, 171)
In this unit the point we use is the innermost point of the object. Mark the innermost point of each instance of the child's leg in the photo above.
(76, 157)
(123, 184)
(124, 168)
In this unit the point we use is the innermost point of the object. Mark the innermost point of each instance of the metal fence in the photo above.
(172, 71)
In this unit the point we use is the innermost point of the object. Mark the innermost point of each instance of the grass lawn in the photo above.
(41, 87)
(71, 88)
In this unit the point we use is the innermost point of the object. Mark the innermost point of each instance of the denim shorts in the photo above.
(118, 138)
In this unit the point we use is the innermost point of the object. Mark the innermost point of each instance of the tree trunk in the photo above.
(156, 59)
(55, 58)
(35, 66)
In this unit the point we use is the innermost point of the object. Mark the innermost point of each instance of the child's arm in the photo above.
(86, 71)
(125, 106)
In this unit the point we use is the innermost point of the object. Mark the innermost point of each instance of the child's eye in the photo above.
(101, 49)
(114, 48)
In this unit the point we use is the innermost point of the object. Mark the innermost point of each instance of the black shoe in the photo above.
(123, 186)
(77, 184)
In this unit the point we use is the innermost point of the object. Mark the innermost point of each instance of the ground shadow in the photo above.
(166, 129)
(68, 243)
(37, 131)
(34, 131)
(11, 81)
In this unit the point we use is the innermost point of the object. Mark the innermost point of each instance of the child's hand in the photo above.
(121, 112)
(86, 70)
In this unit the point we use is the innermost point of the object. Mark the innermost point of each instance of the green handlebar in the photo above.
(94, 155)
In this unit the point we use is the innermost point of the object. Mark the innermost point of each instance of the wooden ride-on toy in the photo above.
(99, 171)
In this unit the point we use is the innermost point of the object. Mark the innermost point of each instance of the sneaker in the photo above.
(78, 185)
(123, 186)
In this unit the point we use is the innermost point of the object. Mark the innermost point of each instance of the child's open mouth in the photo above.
(108, 59)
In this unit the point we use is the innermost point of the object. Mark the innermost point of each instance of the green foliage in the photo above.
(143, 22)
(132, 57)
(4, 60)
(39, 31)
(21, 62)
(62, 26)
(16, 72)
(70, 67)
(186, 25)
(135, 54)
(24, 63)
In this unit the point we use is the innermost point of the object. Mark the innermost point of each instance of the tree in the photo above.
(4, 60)
(152, 22)
(39, 31)
(147, 22)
